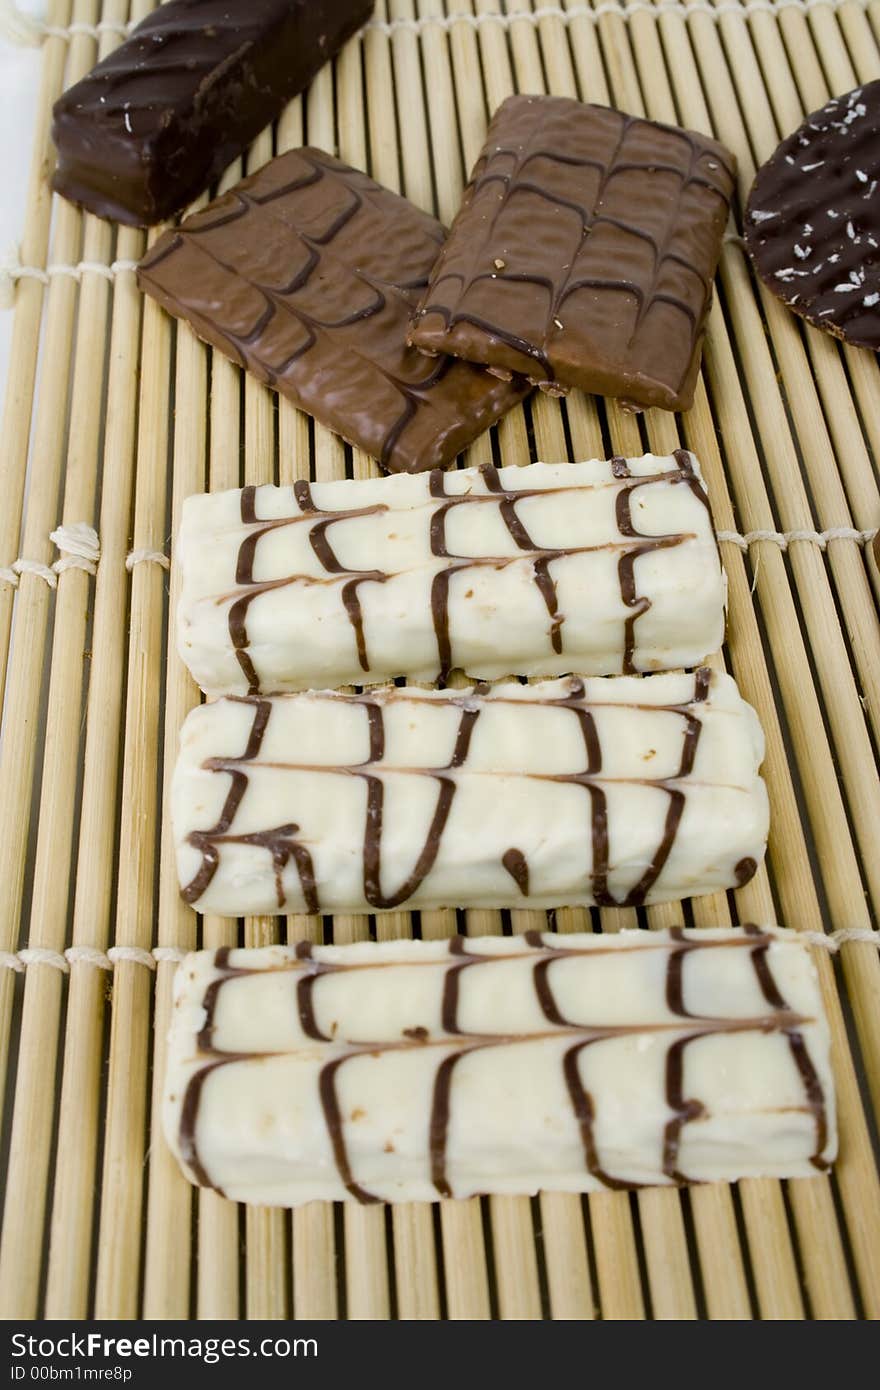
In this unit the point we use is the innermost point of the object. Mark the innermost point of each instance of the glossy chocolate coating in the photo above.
(160, 119)
(307, 274)
(584, 252)
(812, 224)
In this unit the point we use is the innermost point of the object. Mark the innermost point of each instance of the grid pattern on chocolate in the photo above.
(584, 252)
(306, 274)
(811, 223)
(285, 844)
(630, 544)
(671, 1016)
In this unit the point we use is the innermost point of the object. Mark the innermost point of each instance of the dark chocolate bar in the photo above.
(160, 119)
(307, 274)
(583, 254)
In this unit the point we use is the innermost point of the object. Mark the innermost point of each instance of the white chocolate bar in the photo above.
(616, 790)
(601, 568)
(412, 1070)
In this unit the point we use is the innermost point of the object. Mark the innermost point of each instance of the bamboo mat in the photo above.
(114, 414)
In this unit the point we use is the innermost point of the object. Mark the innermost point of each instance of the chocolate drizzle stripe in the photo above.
(584, 1111)
(516, 865)
(797, 1046)
(683, 1109)
(280, 842)
(438, 1134)
(333, 1121)
(189, 1117)
(634, 544)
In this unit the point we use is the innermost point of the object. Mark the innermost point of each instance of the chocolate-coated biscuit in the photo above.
(160, 119)
(584, 252)
(307, 274)
(812, 222)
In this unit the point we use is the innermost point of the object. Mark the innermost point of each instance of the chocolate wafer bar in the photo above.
(413, 1070)
(159, 120)
(610, 791)
(597, 567)
(583, 254)
(307, 274)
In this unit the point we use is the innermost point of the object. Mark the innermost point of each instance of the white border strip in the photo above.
(17, 27)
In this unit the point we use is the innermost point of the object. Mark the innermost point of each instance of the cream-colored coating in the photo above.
(300, 634)
(257, 1107)
(609, 790)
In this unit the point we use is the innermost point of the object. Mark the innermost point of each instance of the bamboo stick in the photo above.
(169, 1208)
(122, 1189)
(67, 1290)
(18, 403)
(29, 300)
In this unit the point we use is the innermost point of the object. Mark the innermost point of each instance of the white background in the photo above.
(19, 83)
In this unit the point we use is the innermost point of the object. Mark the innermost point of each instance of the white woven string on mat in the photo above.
(22, 29)
(12, 270)
(786, 538)
(146, 556)
(80, 549)
(89, 955)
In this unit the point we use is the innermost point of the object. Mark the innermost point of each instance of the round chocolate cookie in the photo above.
(812, 222)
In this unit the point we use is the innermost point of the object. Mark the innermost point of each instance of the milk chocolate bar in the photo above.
(618, 790)
(583, 254)
(159, 120)
(598, 567)
(413, 1070)
(306, 274)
